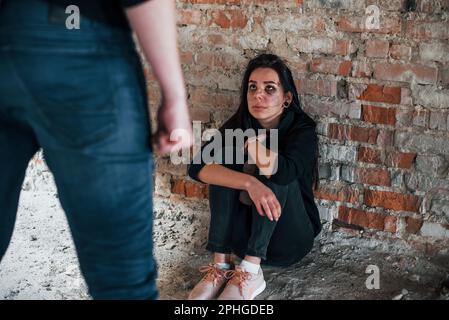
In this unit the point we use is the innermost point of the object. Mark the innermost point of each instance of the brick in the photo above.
(443, 77)
(325, 213)
(201, 96)
(422, 143)
(415, 181)
(323, 88)
(272, 3)
(440, 204)
(432, 6)
(190, 189)
(388, 25)
(377, 48)
(435, 51)
(215, 59)
(362, 69)
(196, 190)
(406, 97)
(431, 97)
(298, 67)
(228, 19)
(345, 132)
(390, 224)
(217, 39)
(178, 187)
(200, 115)
(400, 52)
(323, 107)
(404, 117)
(432, 165)
(186, 57)
(324, 171)
(406, 73)
(373, 176)
(320, 45)
(391, 200)
(378, 93)
(379, 115)
(228, 2)
(421, 117)
(338, 152)
(189, 17)
(293, 23)
(353, 5)
(400, 159)
(335, 173)
(355, 90)
(369, 155)
(438, 120)
(355, 110)
(332, 66)
(337, 193)
(436, 230)
(427, 30)
(353, 216)
(370, 220)
(385, 137)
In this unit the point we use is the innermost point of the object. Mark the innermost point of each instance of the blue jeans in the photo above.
(80, 95)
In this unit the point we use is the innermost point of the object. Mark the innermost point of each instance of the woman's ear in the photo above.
(289, 97)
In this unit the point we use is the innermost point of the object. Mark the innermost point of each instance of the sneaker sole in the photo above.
(258, 291)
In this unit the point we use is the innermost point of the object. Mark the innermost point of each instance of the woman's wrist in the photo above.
(250, 182)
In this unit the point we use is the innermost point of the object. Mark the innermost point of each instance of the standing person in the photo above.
(80, 95)
(259, 213)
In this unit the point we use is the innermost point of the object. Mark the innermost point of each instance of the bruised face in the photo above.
(266, 97)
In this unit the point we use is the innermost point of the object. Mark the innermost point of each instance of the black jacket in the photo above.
(297, 158)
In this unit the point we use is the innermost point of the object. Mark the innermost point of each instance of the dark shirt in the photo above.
(297, 156)
(109, 12)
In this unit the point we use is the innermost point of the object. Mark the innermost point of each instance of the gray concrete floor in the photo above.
(336, 269)
(41, 262)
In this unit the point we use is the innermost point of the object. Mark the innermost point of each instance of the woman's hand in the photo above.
(264, 199)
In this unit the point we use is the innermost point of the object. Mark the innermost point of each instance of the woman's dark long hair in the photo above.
(285, 76)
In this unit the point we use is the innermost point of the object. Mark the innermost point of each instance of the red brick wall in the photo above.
(380, 96)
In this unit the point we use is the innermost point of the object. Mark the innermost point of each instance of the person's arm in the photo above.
(263, 197)
(154, 23)
(296, 156)
(264, 158)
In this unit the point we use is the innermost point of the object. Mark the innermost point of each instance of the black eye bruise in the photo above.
(270, 89)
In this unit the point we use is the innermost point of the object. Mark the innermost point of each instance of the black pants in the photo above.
(239, 229)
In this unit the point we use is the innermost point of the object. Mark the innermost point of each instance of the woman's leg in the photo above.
(247, 280)
(223, 206)
(261, 227)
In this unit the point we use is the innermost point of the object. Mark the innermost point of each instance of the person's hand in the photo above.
(174, 129)
(264, 199)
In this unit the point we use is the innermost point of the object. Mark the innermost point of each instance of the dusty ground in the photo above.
(41, 262)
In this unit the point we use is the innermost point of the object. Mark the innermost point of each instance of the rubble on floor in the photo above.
(41, 262)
